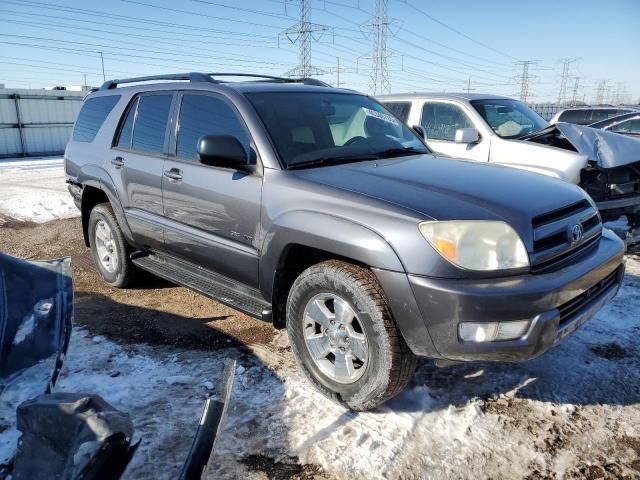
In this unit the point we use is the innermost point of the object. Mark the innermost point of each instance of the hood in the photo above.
(447, 189)
(606, 149)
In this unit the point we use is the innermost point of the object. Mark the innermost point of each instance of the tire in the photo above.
(389, 363)
(123, 272)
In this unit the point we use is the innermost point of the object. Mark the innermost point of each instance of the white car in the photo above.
(489, 128)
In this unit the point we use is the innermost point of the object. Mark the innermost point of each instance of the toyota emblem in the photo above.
(576, 233)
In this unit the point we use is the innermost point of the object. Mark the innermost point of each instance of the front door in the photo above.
(212, 213)
(441, 120)
(135, 165)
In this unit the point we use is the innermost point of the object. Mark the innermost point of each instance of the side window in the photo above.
(151, 123)
(441, 120)
(623, 127)
(124, 140)
(91, 117)
(635, 127)
(399, 109)
(207, 115)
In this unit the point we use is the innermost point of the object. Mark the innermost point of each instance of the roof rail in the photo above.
(210, 78)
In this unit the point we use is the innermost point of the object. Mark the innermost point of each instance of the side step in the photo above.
(224, 290)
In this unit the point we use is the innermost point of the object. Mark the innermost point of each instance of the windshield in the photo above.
(509, 118)
(318, 128)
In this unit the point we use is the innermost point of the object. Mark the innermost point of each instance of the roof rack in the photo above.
(210, 78)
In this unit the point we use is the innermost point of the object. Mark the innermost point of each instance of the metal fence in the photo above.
(546, 110)
(36, 122)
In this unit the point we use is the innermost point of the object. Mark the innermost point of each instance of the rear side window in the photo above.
(151, 123)
(124, 140)
(206, 115)
(579, 117)
(399, 109)
(91, 117)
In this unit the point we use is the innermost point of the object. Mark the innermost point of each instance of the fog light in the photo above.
(492, 331)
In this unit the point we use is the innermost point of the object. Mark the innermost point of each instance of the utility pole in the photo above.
(303, 33)
(566, 65)
(104, 78)
(525, 77)
(378, 28)
(467, 87)
(338, 72)
(85, 80)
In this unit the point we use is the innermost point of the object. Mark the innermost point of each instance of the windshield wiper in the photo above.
(388, 153)
(400, 151)
(316, 162)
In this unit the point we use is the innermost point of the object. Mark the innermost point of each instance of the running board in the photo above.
(222, 289)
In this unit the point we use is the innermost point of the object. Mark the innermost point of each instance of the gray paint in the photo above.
(240, 224)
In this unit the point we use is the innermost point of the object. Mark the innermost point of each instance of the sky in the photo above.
(431, 46)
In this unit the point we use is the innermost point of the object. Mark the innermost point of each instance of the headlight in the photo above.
(477, 245)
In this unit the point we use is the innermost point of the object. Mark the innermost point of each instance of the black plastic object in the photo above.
(72, 435)
(208, 429)
(36, 314)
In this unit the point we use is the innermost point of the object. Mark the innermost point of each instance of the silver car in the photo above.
(490, 128)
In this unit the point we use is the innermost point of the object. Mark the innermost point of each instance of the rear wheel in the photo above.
(344, 338)
(109, 248)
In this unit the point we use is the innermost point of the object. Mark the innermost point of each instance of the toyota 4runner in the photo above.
(319, 210)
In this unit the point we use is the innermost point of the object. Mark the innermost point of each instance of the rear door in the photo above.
(441, 120)
(136, 165)
(212, 213)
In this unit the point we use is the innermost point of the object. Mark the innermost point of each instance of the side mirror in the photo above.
(420, 131)
(222, 151)
(467, 135)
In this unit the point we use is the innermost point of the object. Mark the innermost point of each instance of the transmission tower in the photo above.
(525, 77)
(379, 28)
(600, 91)
(566, 66)
(303, 33)
(576, 86)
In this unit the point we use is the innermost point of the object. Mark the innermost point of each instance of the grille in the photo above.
(553, 244)
(569, 309)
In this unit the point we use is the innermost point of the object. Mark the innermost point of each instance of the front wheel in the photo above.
(344, 338)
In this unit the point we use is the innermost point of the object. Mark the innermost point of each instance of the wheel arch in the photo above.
(301, 239)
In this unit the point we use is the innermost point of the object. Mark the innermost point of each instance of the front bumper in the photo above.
(429, 310)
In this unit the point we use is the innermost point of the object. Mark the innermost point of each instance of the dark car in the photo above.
(627, 124)
(588, 115)
(317, 209)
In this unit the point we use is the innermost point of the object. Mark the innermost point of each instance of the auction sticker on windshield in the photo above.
(385, 117)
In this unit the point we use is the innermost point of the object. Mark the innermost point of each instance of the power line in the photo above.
(449, 27)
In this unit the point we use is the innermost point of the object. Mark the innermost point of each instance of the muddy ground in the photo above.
(156, 312)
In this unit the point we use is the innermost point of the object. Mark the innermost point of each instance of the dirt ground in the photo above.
(156, 312)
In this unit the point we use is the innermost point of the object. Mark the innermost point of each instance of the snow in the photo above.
(34, 190)
(561, 411)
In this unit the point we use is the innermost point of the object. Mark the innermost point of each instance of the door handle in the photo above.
(117, 162)
(174, 175)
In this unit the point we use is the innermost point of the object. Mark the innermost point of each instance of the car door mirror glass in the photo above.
(222, 151)
(467, 135)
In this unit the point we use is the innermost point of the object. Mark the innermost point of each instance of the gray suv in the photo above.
(317, 209)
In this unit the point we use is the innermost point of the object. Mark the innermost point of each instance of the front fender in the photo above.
(325, 232)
